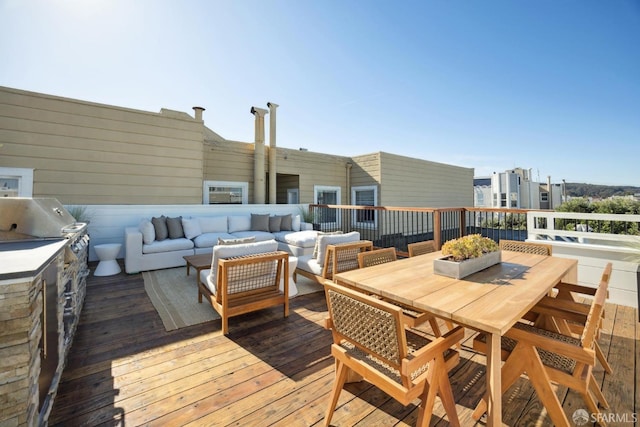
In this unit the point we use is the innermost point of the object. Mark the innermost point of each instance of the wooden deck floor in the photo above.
(125, 369)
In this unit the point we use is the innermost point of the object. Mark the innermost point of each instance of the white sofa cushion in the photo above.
(213, 224)
(303, 239)
(308, 263)
(332, 239)
(191, 227)
(260, 236)
(208, 240)
(239, 223)
(148, 231)
(228, 251)
(167, 245)
(295, 223)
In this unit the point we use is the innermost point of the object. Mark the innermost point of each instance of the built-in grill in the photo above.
(43, 270)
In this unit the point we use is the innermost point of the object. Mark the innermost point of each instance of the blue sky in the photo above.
(552, 86)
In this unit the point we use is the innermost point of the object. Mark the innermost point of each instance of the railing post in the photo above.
(437, 228)
(463, 224)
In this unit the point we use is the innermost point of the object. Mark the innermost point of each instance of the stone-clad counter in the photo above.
(27, 258)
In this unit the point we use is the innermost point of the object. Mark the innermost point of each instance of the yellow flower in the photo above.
(471, 246)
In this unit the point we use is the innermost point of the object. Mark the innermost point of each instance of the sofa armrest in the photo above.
(133, 247)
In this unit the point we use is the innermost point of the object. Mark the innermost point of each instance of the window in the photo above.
(503, 200)
(326, 195)
(16, 182)
(293, 197)
(225, 192)
(365, 196)
(544, 196)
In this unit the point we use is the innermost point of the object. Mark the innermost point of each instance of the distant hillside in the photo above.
(599, 191)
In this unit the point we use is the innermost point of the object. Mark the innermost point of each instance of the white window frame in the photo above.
(291, 194)
(368, 224)
(24, 177)
(207, 184)
(338, 190)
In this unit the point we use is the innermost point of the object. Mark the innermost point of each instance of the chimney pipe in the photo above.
(272, 152)
(258, 156)
(198, 113)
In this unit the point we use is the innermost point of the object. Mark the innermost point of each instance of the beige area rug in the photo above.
(175, 297)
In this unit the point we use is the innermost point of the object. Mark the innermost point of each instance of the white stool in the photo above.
(107, 253)
(293, 289)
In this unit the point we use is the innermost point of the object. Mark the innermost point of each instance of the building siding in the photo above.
(421, 183)
(85, 153)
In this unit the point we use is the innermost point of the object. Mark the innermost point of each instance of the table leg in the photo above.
(188, 265)
(494, 381)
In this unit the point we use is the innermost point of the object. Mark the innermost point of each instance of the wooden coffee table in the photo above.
(199, 262)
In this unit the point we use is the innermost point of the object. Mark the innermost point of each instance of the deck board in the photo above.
(125, 369)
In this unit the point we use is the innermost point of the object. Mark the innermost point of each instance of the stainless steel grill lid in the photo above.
(22, 217)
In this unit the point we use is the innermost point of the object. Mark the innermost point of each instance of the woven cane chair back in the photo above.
(421, 248)
(376, 257)
(525, 247)
(367, 323)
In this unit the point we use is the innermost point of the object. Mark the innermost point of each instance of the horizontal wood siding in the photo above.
(415, 182)
(88, 153)
(366, 170)
(314, 169)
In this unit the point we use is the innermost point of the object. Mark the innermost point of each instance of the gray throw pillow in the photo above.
(287, 223)
(260, 222)
(174, 226)
(160, 226)
(274, 223)
(222, 241)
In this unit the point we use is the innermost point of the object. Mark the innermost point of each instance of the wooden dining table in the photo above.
(489, 301)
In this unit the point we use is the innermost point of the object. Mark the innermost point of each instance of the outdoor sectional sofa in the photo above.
(162, 242)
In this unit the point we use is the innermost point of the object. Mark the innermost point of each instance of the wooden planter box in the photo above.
(458, 270)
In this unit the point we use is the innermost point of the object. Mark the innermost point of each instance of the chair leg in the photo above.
(435, 327)
(603, 359)
(542, 384)
(341, 377)
(593, 386)
(446, 393)
(511, 370)
(593, 407)
(425, 410)
(225, 324)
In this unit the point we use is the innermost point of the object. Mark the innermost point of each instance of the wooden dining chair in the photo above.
(421, 248)
(526, 247)
(551, 357)
(566, 315)
(376, 256)
(412, 317)
(370, 340)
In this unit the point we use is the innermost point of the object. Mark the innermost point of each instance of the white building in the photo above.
(515, 189)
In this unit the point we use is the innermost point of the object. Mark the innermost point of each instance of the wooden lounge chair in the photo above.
(421, 248)
(370, 340)
(526, 247)
(338, 258)
(547, 357)
(248, 283)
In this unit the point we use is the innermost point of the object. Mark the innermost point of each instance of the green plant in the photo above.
(80, 213)
(306, 215)
(471, 246)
